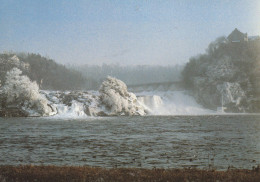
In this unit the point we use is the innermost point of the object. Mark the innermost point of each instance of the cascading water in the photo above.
(171, 103)
(113, 99)
(75, 110)
(154, 102)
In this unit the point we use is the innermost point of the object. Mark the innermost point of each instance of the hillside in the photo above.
(46, 72)
(228, 73)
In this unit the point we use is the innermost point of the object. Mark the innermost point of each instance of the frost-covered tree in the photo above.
(20, 92)
(0, 95)
(117, 99)
(227, 69)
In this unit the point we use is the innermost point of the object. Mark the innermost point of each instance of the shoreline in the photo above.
(86, 173)
(149, 115)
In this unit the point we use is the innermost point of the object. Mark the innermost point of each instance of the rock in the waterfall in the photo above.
(92, 111)
(117, 100)
(13, 112)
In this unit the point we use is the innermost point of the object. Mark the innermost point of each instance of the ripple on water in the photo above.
(153, 141)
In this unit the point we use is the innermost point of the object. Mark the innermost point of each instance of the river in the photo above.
(206, 141)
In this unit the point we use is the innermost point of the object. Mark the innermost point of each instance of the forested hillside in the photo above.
(46, 72)
(228, 73)
(53, 76)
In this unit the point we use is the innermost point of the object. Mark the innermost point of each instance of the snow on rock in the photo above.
(112, 99)
(75, 103)
(232, 93)
(117, 100)
(23, 95)
(221, 85)
(221, 69)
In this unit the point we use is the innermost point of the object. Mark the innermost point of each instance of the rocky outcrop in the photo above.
(13, 112)
(226, 75)
(113, 99)
(117, 100)
(213, 93)
(75, 102)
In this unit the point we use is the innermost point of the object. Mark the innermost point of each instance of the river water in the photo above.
(217, 141)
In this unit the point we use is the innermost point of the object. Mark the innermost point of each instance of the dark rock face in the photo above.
(102, 113)
(67, 99)
(13, 112)
(214, 93)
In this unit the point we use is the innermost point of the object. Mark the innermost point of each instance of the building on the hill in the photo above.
(236, 36)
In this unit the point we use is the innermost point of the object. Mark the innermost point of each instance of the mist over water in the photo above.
(174, 103)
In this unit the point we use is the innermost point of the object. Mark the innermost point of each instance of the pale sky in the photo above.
(125, 32)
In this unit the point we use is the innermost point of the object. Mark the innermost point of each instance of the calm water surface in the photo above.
(147, 142)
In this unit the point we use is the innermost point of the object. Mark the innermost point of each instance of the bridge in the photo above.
(158, 86)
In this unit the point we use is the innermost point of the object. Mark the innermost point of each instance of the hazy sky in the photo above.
(124, 32)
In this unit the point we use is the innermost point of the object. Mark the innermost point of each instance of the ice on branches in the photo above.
(19, 91)
(116, 98)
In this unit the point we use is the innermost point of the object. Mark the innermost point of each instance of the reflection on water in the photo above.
(154, 141)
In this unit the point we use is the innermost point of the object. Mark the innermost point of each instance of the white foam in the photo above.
(172, 103)
(76, 110)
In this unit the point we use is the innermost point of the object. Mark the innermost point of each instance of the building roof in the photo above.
(237, 36)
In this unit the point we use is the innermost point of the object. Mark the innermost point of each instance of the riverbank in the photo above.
(75, 173)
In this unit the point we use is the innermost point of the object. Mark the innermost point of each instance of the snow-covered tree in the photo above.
(117, 99)
(0, 93)
(19, 91)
